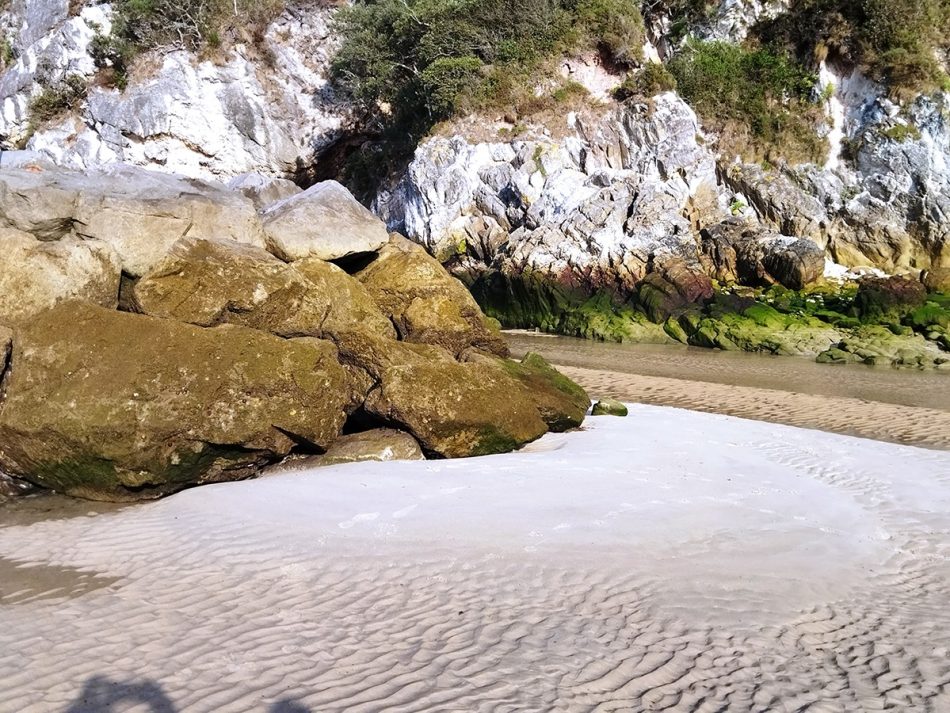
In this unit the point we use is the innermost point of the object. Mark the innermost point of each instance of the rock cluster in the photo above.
(165, 333)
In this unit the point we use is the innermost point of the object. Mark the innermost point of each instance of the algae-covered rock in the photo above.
(209, 282)
(878, 345)
(325, 222)
(428, 305)
(662, 294)
(36, 274)
(109, 405)
(937, 279)
(609, 407)
(881, 298)
(562, 403)
(454, 409)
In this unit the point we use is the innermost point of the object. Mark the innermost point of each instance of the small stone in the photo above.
(609, 407)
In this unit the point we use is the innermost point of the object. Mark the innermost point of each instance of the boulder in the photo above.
(379, 445)
(733, 251)
(263, 191)
(561, 403)
(427, 305)
(937, 279)
(609, 407)
(888, 297)
(671, 288)
(210, 282)
(140, 213)
(115, 406)
(35, 275)
(794, 263)
(453, 409)
(324, 222)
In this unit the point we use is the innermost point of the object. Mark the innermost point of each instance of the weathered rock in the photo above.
(587, 212)
(937, 279)
(427, 305)
(6, 344)
(889, 297)
(379, 444)
(212, 118)
(210, 282)
(734, 251)
(109, 405)
(35, 275)
(561, 403)
(324, 222)
(609, 407)
(139, 213)
(453, 409)
(264, 191)
(673, 287)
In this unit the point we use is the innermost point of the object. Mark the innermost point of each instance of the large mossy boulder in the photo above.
(562, 403)
(937, 279)
(36, 275)
(453, 409)
(210, 282)
(325, 222)
(427, 305)
(108, 405)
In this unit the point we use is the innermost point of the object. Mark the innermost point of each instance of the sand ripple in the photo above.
(250, 597)
(911, 425)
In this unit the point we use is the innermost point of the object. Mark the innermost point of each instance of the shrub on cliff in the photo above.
(140, 25)
(429, 59)
(895, 41)
(758, 100)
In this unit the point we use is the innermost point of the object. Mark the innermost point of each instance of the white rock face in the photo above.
(324, 222)
(596, 206)
(732, 19)
(197, 118)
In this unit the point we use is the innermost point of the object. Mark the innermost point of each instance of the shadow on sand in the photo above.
(103, 695)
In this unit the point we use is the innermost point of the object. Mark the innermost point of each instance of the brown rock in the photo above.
(108, 405)
(428, 305)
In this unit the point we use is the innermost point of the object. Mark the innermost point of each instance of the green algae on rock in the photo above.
(609, 407)
(562, 403)
(108, 405)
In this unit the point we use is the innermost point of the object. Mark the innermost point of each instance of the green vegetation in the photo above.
(410, 64)
(57, 98)
(195, 25)
(902, 133)
(758, 100)
(653, 79)
(895, 41)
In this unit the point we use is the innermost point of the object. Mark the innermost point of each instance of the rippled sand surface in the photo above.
(899, 406)
(672, 560)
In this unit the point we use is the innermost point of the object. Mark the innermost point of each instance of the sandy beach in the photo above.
(672, 560)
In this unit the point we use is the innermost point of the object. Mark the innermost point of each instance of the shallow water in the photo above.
(905, 387)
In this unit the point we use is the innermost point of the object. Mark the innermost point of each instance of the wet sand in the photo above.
(907, 407)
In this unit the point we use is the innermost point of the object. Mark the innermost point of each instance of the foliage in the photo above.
(140, 25)
(430, 59)
(57, 98)
(760, 98)
(895, 41)
(653, 79)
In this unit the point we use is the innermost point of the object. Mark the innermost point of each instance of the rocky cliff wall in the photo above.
(265, 108)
